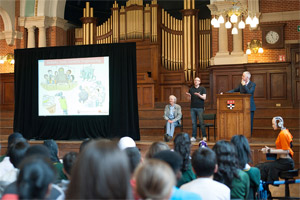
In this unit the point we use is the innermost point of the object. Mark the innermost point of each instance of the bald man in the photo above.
(197, 94)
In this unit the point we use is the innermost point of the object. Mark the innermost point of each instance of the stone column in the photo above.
(238, 43)
(223, 40)
(31, 37)
(42, 37)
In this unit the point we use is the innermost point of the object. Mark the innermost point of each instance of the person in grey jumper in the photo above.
(173, 116)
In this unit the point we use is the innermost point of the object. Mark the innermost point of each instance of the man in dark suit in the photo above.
(247, 87)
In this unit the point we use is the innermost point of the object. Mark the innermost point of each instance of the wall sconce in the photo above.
(8, 58)
(255, 46)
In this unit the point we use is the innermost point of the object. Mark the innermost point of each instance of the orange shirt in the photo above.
(284, 140)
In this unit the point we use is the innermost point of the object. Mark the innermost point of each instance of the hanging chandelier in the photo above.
(236, 17)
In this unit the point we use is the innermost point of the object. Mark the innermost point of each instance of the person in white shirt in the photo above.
(204, 164)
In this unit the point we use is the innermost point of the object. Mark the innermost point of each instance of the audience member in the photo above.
(270, 170)
(11, 139)
(228, 171)
(204, 163)
(84, 144)
(182, 145)
(174, 160)
(34, 180)
(53, 149)
(68, 163)
(156, 147)
(134, 158)
(154, 180)
(100, 172)
(9, 166)
(126, 142)
(172, 115)
(244, 157)
(39, 151)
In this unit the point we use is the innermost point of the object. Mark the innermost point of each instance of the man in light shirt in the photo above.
(204, 163)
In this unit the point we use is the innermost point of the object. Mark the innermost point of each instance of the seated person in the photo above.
(173, 115)
(228, 172)
(204, 163)
(182, 145)
(175, 161)
(154, 180)
(270, 170)
(68, 162)
(156, 147)
(244, 157)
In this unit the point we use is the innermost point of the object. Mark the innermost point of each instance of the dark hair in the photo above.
(53, 148)
(16, 151)
(204, 161)
(100, 172)
(182, 145)
(69, 160)
(12, 138)
(156, 147)
(38, 150)
(227, 162)
(173, 158)
(243, 150)
(84, 144)
(36, 173)
(134, 157)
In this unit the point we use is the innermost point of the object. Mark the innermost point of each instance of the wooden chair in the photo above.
(208, 125)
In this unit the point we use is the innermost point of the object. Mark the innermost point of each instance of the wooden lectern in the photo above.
(233, 115)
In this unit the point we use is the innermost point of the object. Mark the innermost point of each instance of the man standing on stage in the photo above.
(198, 95)
(247, 87)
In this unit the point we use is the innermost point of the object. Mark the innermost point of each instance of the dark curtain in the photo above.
(123, 106)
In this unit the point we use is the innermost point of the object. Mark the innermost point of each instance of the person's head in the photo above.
(13, 137)
(84, 144)
(134, 157)
(246, 76)
(101, 171)
(126, 142)
(204, 162)
(68, 162)
(227, 162)
(53, 149)
(197, 81)
(243, 150)
(156, 147)
(38, 150)
(173, 158)
(35, 178)
(154, 180)
(182, 145)
(172, 99)
(277, 122)
(16, 151)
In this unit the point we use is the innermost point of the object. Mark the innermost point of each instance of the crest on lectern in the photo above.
(230, 104)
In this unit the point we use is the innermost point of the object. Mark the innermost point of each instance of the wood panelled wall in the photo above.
(7, 92)
(273, 82)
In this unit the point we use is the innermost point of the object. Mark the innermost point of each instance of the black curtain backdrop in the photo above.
(123, 106)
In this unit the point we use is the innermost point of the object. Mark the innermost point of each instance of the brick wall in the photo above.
(268, 6)
(56, 36)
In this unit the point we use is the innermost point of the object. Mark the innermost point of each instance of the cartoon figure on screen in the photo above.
(83, 95)
(87, 73)
(63, 103)
(50, 77)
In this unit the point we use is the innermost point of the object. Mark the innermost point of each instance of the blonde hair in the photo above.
(154, 180)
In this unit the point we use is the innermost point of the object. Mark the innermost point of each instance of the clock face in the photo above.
(272, 37)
